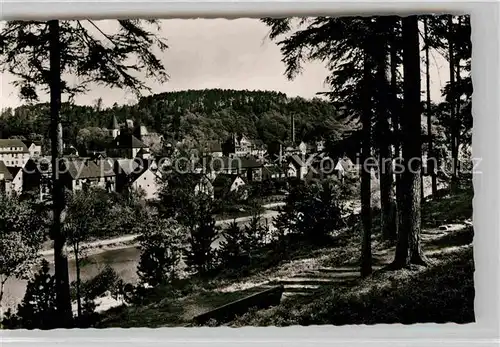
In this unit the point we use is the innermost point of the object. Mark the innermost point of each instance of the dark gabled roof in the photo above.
(224, 179)
(133, 168)
(5, 171)
(114, 123)
(28, 143)
(14, 170)
(272, 169)
(78, 169)
(233, 163)
(296, 160)
(143, 166)
(7, 143)
(143, 151)
(223, 182)
(128, 141)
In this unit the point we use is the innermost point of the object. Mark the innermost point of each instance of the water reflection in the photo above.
(124, 261)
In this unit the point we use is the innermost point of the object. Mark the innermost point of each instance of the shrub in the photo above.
(313, 211)
(38, 308)
(161, 250)
(255, 232)
(202, 232)
(233, 248)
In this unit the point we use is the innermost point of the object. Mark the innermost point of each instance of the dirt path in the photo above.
(305, 276)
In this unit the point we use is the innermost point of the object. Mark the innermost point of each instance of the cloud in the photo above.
(213, 53)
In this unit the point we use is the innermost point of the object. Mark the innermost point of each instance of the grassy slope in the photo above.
(442, 292)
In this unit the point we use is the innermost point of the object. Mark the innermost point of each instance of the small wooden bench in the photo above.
(264, 299)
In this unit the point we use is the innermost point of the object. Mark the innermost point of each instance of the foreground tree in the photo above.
(87, 212)
(366, 156)
(408, 249)
(431, 164)
(347, 46)
(39, 53)
(38, 308)
(202, 232)
(234, 247)
(384, 27)
(161, 251)
(21, 237)
(450, 36)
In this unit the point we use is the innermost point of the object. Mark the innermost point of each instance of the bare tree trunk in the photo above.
(408, 249)
(453, 117)
(389, 226)
(63, 299)
(77, 266)
(3, 280)
(457, 121)
(395, 112)
(431, 155)
(422, 193)
(366, 247)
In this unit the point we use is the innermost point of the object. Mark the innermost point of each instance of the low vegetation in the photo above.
(441, 292)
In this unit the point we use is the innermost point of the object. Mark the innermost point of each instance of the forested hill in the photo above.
(200, 115)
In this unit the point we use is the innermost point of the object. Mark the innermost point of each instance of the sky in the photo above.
(220, 53)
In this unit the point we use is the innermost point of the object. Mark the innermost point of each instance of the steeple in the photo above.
(114, 124)
(114, 128)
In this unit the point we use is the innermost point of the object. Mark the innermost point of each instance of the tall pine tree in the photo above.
(41, 54)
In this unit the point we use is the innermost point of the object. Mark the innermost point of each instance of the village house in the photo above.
(13, 152)
(258, 148)
(34, 147)
(198, 183)
(344, 166)
(16, 185)
(114, 128)
(320, 168)
(77, 174)
(296, 167)
(37, 176)
(244, 166)
(271, 172)
(241, 146)
(127, 146)
(10, 179)
(5, 179)
(137, 174)
(225, 184)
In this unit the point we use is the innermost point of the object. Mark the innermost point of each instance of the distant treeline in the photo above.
(200, 115)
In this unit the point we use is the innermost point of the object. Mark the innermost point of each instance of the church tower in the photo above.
(114, 128)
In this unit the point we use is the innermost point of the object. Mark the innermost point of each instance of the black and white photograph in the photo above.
(236, 172)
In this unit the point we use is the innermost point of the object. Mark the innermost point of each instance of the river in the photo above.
(123, 260)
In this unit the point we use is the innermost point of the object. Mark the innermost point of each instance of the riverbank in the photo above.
(126, 241)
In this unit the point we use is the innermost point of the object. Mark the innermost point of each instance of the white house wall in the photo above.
(147, 182)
